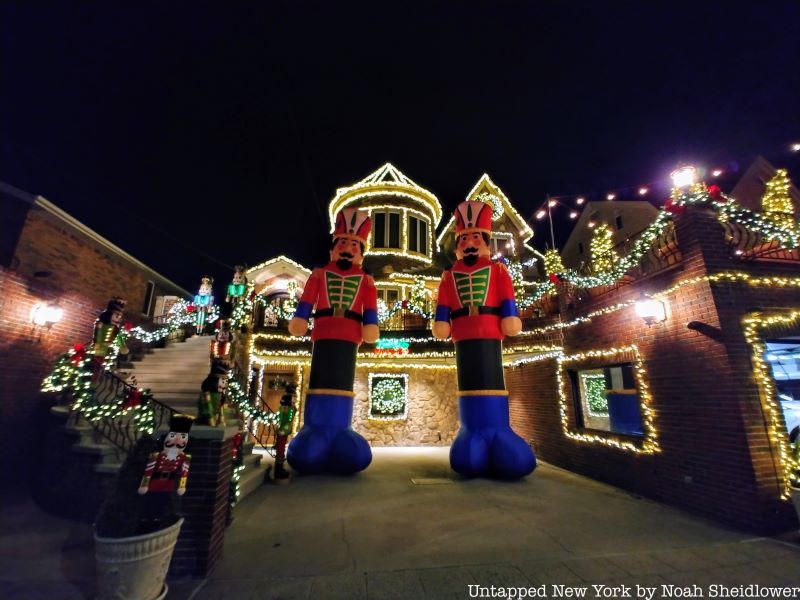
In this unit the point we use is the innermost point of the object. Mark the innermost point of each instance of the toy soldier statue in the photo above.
(107, 329)
(222, 343)
(476, 296)
(166, 474)
(282, 431)
(203, 301)
(211, 405)
(346, 314)
(237, 289)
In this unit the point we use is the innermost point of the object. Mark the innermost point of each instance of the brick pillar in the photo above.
(205, 504)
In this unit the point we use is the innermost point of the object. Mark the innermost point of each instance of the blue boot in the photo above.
(326, 443)
(485, 445)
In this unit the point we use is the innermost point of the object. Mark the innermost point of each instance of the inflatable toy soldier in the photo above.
(211, 405)
(223, 341)
(346, 314)
(476, 306)
(203, 301)
(107, 329)
(166, 473)
(237, 289)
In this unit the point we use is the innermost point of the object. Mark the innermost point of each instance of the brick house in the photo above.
(48, 259)
(688, 410)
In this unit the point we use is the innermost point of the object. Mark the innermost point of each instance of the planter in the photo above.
(135, 567)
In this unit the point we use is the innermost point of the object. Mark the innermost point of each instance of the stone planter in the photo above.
(135, 567)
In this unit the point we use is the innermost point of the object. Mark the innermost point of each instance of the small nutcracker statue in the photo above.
(283, 431)
(222, 343)
(476, 306)
(211, 404)
(166, 473)
(203, 301)
(346, 314)
(107, 329)
(237, 289)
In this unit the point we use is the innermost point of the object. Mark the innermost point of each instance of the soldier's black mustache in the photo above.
(470, 250)
(168, 445)
(345, 255)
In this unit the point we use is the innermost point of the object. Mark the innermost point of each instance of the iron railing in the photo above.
(747, 244)
(263, 434)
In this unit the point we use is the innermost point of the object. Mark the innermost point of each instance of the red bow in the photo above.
(553, 277)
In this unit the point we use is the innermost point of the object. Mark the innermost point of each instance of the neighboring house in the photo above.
(51, 261)
(626, 218)
(750, 188)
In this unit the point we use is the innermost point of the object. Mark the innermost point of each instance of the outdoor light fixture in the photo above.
(683, 176)
(580, 201)
(651, 310)
(45, 314)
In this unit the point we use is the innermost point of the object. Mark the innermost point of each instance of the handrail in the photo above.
(258, 431)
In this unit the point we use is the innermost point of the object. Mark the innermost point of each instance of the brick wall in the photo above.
(205, 504)
(715, 457)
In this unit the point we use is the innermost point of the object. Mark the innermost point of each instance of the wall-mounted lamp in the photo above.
(46, 314)
(651, 310)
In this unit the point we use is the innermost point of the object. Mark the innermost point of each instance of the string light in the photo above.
(610, 196)
(580, 200)
(649, 443)
(541, 214)
(551, 203)
(573, 214)
(757, 327)
(602, 249)
(795, 147)
(388, 396)
(716, 172)
(643, 191)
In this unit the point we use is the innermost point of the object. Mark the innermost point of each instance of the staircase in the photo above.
(174, 375)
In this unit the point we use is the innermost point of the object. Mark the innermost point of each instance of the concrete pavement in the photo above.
(409, 528)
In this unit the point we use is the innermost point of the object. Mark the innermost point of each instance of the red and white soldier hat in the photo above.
(353, 224)
(473, 216)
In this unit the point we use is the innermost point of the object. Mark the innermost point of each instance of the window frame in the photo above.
(149, 294)
(414, 233)
(387, 229)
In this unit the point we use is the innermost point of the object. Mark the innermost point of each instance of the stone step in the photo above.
(252, 478)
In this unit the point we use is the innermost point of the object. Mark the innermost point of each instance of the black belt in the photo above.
(475, 310)
(338, 312)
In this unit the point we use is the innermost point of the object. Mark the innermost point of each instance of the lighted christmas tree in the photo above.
(552, 262)
(776, 203)
(602, 249)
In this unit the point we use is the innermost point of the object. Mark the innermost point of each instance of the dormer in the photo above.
(404, 219)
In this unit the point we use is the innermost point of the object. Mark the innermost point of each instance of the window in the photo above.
(606, 398)
(148, 298)
(618, 222)
(417, 235)
(387, 230)
(388, 396)
(502, 243)
(389, 295)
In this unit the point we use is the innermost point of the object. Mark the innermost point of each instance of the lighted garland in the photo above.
(494, 202)
(243, 310)
(179, 314)
(416, 303)
(241, 402)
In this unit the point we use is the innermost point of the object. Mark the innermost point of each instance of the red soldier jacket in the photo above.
(475, 299)
(165, 475)
(344, 300)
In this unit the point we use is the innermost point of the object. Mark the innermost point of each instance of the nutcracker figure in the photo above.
(165, 475)
(203, 301)
(237, 289)
(221, 345)
(211, 404)
(476, 307)
(107, 329)
(346, 314)
(283, 431)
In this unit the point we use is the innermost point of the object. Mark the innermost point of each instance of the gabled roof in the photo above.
(485, 184)
(386, 180)
(280, 265)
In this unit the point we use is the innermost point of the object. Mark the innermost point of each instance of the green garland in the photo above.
(241, 402)
(388, 397)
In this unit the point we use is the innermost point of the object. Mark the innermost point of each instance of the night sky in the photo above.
(198, 136)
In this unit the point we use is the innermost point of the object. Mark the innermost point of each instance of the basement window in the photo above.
(607, 399)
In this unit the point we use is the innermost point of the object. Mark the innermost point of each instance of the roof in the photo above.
(485, 184)
(279, 265)
(63, 216)
(390, 181)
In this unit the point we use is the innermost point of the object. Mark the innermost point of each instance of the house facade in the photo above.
(672, 378)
